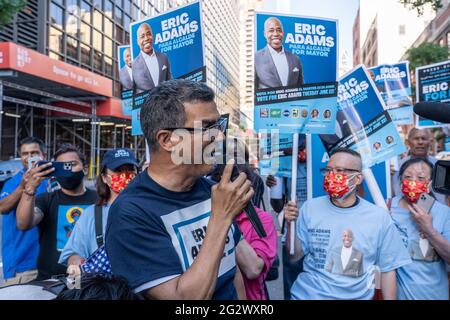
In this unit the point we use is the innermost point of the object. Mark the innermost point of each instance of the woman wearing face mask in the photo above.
(119, 167)
(426, 235)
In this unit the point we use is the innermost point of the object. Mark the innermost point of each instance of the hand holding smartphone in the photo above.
(62, 169)
(425, 202)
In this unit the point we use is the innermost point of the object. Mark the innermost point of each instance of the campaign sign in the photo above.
(125, 78)
(362, 123)
(163, 47)
(295, 74)
(319, 160)
(432, 84)
(394, 85)
(275, 156)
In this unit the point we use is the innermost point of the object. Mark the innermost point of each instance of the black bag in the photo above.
(273, 273)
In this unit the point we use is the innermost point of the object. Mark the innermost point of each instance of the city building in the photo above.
(59, 72)
(221, 46)
(247, 50)
(384, 29)
(438, 30)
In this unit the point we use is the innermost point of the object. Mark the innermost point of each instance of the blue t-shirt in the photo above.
(154, 234)
(20, 249)
(426, 277)
(342, 248)
(82, 240)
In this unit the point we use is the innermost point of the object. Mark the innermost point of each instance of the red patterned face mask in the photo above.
(412, 189)
(120, 180)
(336, 185)
(302, 155)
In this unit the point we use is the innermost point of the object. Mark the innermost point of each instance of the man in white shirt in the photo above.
(275, 67)
(150, 67)
(125, 73)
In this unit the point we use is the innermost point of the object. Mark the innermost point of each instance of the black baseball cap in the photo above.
(115, 158)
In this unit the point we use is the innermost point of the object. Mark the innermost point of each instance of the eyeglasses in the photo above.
(327, 170)
(221, 125)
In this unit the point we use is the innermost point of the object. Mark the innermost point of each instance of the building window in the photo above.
(98, 58)
(72, 48)
(85, 33)
(126, 22)
(86, 11)
(109, 8)
(108, 27)
(108, 47)
(85, 54)
(118, 15)
(97, 40)
(56, 40)
(97, 4)
(98, 20)
(56, 15)
(108, 66)
(119, 34)
(401, 29)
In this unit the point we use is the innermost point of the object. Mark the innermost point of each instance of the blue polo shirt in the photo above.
(20, 249)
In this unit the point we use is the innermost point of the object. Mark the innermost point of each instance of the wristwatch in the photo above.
(29, 194)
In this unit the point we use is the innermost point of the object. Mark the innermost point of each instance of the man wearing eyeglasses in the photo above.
(156, 234)
(320, 228)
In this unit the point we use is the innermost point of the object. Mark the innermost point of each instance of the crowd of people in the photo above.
(177, 230)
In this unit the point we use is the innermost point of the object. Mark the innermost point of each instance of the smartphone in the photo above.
(425, 202)
(32, 161)
(62, 169)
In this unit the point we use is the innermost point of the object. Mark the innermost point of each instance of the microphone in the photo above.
(436, 111)
(250, 211)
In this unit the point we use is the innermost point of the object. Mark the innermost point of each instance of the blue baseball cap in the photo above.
(115, 158)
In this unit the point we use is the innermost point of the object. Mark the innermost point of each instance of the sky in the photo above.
(342, 10)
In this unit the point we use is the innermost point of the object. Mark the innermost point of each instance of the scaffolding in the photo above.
(92, 134)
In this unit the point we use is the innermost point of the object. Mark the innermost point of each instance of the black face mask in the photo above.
(71, 182)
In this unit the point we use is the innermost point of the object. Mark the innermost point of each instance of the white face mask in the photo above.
(32, 160)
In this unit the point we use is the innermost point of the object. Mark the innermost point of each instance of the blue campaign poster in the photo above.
(362, 123)
(432, 84)
(295, 74)
(447, 143)
(164, 47)
(126, 78)
(394, 85)
(319, 160)
(276, 154)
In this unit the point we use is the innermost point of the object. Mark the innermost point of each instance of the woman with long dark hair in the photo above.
(118, 168)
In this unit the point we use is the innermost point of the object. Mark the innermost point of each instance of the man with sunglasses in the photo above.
(156, 234)
(344, 239)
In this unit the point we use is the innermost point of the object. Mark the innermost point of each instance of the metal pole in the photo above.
(115, 137)
(74, 130)
(32, 122)
(93, 136)
(48, 131)
(1, 116)
(54, 137)
(99, 131)
(16, 131)
(123, 137)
